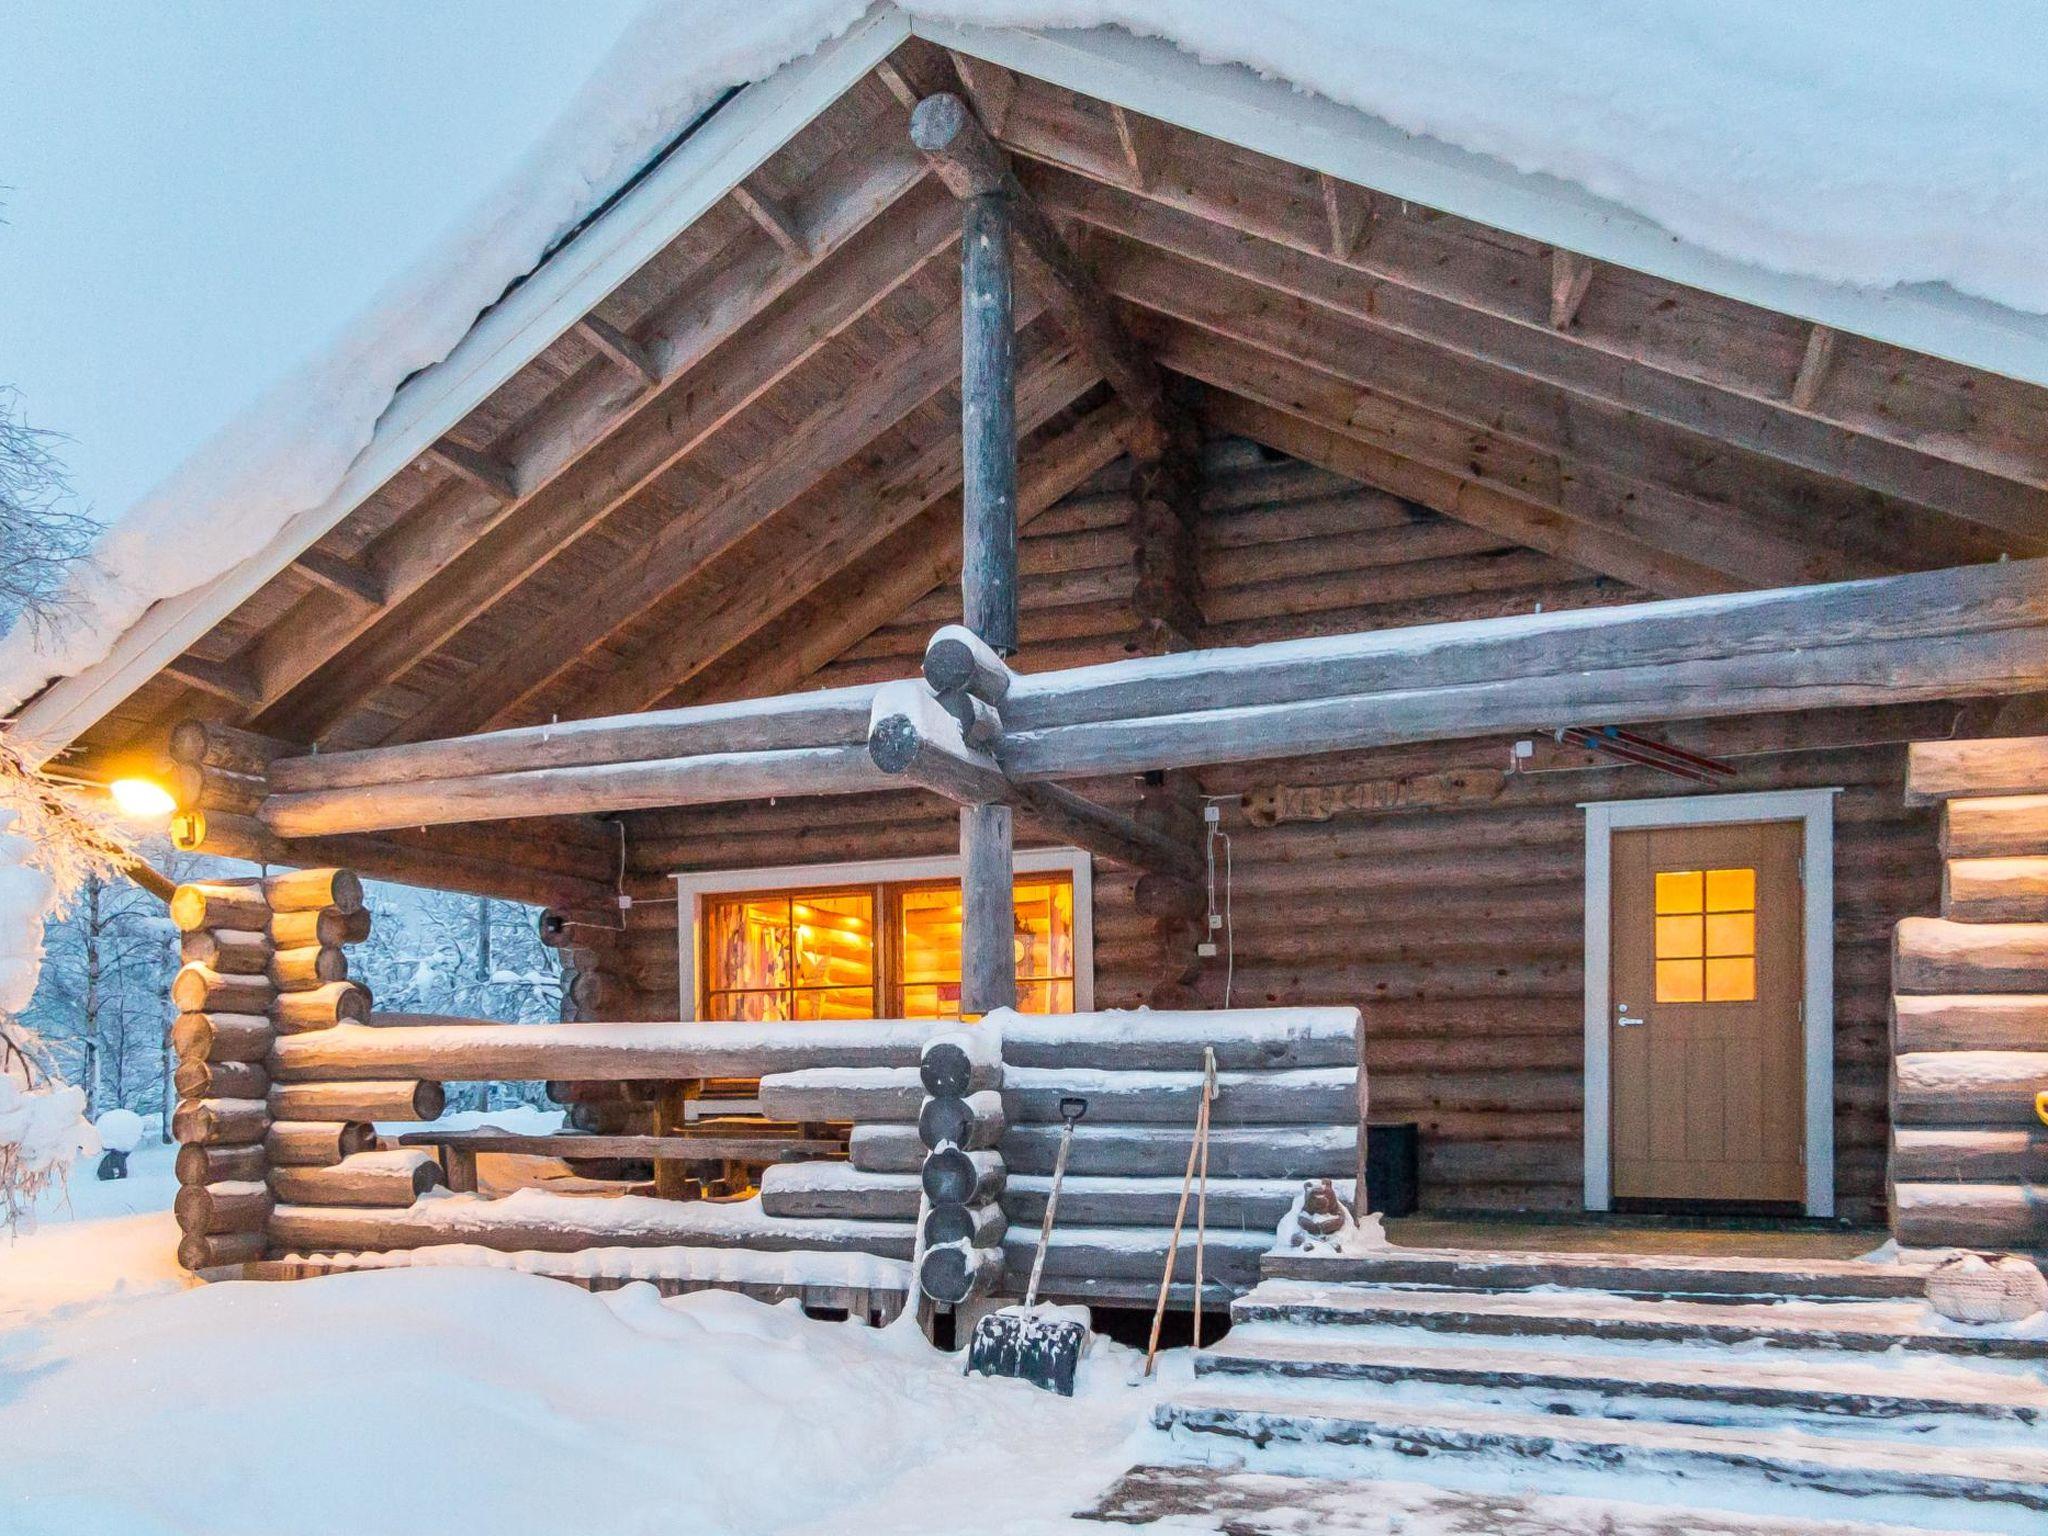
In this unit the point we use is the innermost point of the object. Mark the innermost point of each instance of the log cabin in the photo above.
(1026, 522)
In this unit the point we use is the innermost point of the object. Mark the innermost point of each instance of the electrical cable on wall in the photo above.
(1212, 817)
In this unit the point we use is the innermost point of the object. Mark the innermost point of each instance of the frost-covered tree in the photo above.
(44, 531)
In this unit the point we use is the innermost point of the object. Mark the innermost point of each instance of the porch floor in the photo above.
(1599, 1234)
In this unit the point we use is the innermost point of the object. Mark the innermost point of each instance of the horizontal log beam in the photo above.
(698, 780)
(471, 1051)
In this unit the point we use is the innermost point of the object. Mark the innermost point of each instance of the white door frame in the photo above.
(693, 886)
(1815, 808)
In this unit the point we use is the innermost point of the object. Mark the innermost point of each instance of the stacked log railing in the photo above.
(960, 1124)
(264, 960)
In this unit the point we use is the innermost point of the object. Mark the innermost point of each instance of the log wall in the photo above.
(1456, 928)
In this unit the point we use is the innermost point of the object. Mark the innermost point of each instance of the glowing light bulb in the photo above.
(142, 799)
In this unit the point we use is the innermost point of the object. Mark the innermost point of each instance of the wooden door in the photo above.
(1707, 1034)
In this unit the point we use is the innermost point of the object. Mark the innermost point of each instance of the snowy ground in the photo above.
(134, 1403)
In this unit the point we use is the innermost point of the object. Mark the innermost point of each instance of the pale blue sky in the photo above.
(196, 193)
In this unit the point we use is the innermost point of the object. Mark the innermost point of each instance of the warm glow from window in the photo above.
(816, 954)
(142, 799)
(1706, 936)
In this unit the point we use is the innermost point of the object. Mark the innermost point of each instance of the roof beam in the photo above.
(897, 385)
(921, 556)
(720, 348)
(808, 545)
(1819, 528)
(494, 477)
(344, 578)
(1139, 137)
(775, 221)
(622, 349)
(1570, 276)
(222, 679)
(1539, 527)
(968, 161)
(1689, 357)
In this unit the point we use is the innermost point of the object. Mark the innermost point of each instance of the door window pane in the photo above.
(1706, 935)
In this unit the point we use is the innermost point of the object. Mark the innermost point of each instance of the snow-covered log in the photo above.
(827, 718)
(959, 1272)
(535, 1220)
(962, 1061)
(979, 1226)
(236, 1206)
(316, 1143)
(221, 1122)
(232, 951)
(316, 1008)
(842, 1192)
(199, 1164)
(471, 1052)
(221, 1036)
(201, 1251)
(1981, 1088)
(397, 1178)
(324, 925)
(201, 989)
(1307, 1096)
(1124, 1151)
(314, 890)
(956, 1175)
(1244, 1039)
(197, 1078)
(868, 1094)
(972, 1123)
(236, 905)
(306, 968)
(1993, 1216)
(957, 660)
(398, 1100)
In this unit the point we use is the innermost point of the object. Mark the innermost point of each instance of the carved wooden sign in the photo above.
(1270, 805)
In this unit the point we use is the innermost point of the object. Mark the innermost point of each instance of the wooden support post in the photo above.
(988, 423)
(988, 954)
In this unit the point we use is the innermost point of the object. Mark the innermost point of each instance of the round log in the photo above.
(221, 1122)
(949, 1066)
(981, 1225)
(214, 904)
(327, 925)
(953, 1275)
(198, 1164)
(198, 1078)
(231, 951)
(201, 989)
(222, 1036)
(357, 1101)
(213, 745)
(957, 660)
(954, 1177)
(200, 1250)
(972, 1123)
(303, 890)
(236, 1206)
(303, 969)
(316, 1143)
(368, 1178)
(336, 1002)
(197, 787)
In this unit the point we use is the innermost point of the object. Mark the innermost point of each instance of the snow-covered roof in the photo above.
(1870, 166)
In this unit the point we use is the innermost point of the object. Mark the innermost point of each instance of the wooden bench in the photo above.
(458, 1150)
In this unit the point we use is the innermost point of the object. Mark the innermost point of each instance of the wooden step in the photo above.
(1931, 954)
(1248, 1503)
(2009, 889)
(1995, 826)
(2014, 1478)
(1845, 1389)
(1946, 1022)
(1859, 1326)
(1730, 1277)
(1138, 1254)
(1983, 1215)
(1949, 770)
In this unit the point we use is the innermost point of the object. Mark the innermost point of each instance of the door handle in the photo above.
(1622, 1016)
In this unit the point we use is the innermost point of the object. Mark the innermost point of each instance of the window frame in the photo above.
(695, 887)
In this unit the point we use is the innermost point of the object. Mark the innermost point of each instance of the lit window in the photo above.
(814, 955)
(1706, 936)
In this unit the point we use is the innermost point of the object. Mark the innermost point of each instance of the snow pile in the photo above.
(27, 897)
(120, 1130)
(386, 1401)
(43, 1131)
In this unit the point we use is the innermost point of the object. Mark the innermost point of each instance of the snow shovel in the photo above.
(1016, 1341)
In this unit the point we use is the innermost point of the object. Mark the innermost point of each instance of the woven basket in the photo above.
(1986, 1288)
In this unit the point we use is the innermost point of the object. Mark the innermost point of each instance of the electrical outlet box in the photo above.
(1206, 950)
(625, 902)
(1215, 919)
(1212, 814)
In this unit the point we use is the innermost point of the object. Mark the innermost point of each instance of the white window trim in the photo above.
(1815, 809)
(692, 887)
